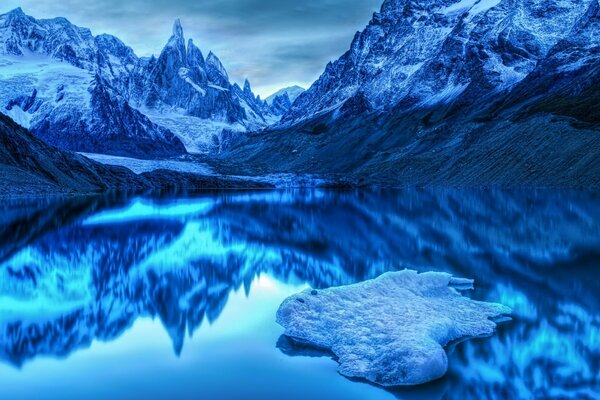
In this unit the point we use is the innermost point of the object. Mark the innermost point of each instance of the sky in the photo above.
(273, 43)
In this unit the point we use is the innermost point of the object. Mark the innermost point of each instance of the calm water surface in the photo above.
(175, 296)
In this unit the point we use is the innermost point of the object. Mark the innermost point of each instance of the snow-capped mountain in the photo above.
(281, 101)
(92, 93)
(422, 53)
(70, 89)
(292, 92)
(460, 92)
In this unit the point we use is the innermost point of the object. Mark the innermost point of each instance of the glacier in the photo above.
(390, 330)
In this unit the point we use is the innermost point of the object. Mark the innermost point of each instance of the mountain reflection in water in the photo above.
(82, 270)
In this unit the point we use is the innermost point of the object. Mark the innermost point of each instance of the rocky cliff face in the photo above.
(419, 54)
(71, 89)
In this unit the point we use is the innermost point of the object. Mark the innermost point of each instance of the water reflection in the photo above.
(81, 270)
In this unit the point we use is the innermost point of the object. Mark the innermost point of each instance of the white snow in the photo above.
(390, 330)
(217, 87)
(460, 6)
(195, 86)
(18, 115)
(20, 75)
(483, 5)
(474, 6)
(184, 74)
(139, 166)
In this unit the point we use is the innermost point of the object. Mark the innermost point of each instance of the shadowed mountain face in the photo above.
(79, 276)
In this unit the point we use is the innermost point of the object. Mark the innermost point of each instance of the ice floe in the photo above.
(391, 330)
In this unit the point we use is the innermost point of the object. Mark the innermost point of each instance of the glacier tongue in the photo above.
(390, 330)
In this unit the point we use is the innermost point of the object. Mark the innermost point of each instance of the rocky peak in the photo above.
(248, 88)
(175, 47)
(194, 55)
(280, 104)
(13, 16)
(177, 29)
(214, 62)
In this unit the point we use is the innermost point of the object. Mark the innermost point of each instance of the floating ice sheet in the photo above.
(390, 330)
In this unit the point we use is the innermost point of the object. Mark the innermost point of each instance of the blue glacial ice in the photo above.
(391, 330)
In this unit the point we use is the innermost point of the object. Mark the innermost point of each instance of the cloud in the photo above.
(272, 42)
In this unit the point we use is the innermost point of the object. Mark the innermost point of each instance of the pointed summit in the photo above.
(247, 88)
(16, 11)
(194, 55)
(213, 61)
(16, 14)
(177, 29)
(175, 47)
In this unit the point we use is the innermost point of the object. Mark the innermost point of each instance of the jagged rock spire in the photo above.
(213, 61)
(177, 29)
(194, 55)
(247, 87)
(177, 41)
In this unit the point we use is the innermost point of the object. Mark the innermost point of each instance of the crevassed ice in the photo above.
(390, 330)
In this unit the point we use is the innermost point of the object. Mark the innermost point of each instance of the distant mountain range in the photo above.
(92, 93)
(292, 93)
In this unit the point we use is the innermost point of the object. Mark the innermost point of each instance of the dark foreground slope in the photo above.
(30, 166)
(542, 150)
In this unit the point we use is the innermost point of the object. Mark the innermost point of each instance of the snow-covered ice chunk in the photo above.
(390, 330)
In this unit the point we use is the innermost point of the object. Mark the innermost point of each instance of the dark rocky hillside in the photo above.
(28, 166)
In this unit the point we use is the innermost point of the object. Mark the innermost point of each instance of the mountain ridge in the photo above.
(175, 103)
(501, 95)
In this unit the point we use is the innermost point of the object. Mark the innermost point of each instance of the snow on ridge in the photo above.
(457, 7)
(217, 87)
(473, 6)
(484, 5)
(183, 74)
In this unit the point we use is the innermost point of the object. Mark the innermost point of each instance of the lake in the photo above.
(175, 296)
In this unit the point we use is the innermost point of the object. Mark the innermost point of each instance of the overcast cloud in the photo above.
(273, 43)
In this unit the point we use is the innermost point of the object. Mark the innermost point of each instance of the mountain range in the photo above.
(431, 92)
(92, 94)
(449, 92)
